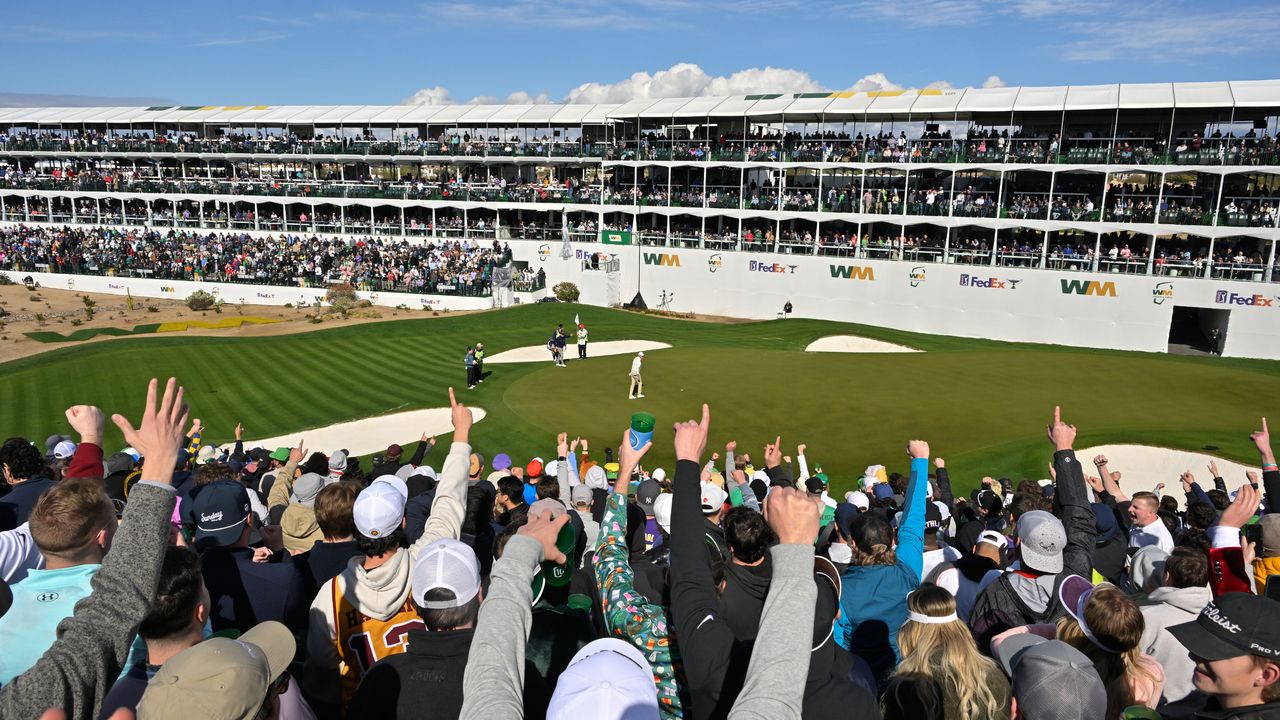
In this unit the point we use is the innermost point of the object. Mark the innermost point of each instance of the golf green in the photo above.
(982, 405)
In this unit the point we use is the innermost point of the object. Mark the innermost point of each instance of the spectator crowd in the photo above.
(464, 266)
(179, 577)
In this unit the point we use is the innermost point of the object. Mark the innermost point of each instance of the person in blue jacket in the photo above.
(873, 600)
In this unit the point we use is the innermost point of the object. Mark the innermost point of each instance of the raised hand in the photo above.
(940, 463)
(1053, 472)
(1095, 482)
(1213, 469)
(773, 453)
(159, 434)
(793, 515)
(297, 454)
(1062, 435)
(1187, 478)
(239, 431)
(562, 444)
(573, 447)
(1262, 441)
(731, 446)
(1245, 505)
(629, 459)
(428, 439)
(1159, 488)
(543, 528)
(691, 436)
(801, 448)
(1252, 476)
(87, 421)
(1100, 460)
(918, 449)
(460, 416)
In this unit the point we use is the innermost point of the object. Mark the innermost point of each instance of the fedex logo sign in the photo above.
(1225, 298)
(967, 280)
(754, 266)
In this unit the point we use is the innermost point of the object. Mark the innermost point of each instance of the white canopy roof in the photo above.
(898, 104)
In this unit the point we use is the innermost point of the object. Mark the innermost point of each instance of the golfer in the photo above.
(637, 385)
(479, 362)
(582, 341)
(470, 362)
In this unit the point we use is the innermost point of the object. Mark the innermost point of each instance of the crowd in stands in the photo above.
(762, 144)
(462, 266)
(186, 577)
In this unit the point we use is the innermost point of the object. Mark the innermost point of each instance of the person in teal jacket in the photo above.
(73, 525)
(873, 600)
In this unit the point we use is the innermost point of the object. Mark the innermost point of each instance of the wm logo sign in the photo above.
(662, 259)
(1089, 287)
(853, 272)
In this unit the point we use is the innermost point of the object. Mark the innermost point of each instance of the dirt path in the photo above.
(50, 310)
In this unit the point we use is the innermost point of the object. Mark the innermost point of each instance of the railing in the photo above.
(1038, 150)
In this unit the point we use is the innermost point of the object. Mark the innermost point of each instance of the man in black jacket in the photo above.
(426, 679)
(1049, 549)
(716, 632)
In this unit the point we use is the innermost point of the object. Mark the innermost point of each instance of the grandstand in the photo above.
(1112, 190)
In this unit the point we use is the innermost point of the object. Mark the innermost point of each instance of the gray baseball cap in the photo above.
(1041, 539)
(1051, 679)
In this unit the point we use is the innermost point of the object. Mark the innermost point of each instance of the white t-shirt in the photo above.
(934, 558)
(1154, 534)
(635, 365)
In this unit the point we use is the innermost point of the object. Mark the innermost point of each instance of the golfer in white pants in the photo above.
(637, 385)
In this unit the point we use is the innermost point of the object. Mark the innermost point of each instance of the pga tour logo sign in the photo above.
(1225, 298)
(967, 280)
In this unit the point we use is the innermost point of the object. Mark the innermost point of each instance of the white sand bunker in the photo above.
(1141, 467)
(855, 344)
(538, 353)
(374, 434)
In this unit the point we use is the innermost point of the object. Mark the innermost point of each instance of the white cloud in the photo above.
(437, 95)
(688, 80)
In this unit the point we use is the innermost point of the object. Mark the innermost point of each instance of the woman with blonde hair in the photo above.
(942, 675)
(1106, 625)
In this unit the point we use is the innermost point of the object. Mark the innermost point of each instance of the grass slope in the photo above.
(982, 405)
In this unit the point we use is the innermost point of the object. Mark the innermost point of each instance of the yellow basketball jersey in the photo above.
(363, 641)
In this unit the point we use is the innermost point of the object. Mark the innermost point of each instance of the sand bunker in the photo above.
(539, 353)
(855, 344)
(1141, 467)
(373, 434)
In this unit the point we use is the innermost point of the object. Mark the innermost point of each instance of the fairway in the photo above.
(982, 405)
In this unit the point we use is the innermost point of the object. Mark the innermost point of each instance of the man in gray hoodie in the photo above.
(76, 672)
(1183, 594)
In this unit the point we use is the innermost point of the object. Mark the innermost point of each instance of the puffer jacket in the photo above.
(1263, 568)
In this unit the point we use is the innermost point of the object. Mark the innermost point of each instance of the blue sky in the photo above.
(343, 51)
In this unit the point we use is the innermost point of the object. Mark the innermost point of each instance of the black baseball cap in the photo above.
(220, 510)
(1234, 624)
(814, 485)
(932, 517)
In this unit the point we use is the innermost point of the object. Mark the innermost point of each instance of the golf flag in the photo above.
(576, 321)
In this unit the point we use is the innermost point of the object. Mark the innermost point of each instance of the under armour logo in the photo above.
(47, 597)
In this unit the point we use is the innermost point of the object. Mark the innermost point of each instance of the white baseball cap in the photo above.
(713, 497)
(641, 353)
(994, 538)
(858, 499)
(395, 482)
(446, 564)
(607, 679)
(659, 475)
(64, 450)
(943, 509)
(379, 509)
(662, 511)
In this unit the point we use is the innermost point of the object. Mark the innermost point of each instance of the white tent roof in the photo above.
(698, 107)
(1146, 95)
(1256, 93)
(1241, 93)
(1203, 94)
(663, 108)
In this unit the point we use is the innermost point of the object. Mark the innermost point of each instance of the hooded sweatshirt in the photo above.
(380, 593)
(1164, 608)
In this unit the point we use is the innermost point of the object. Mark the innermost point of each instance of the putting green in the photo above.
(982, 405)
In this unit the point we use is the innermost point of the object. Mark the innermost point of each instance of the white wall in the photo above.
(1042, 306)
(251, 294)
